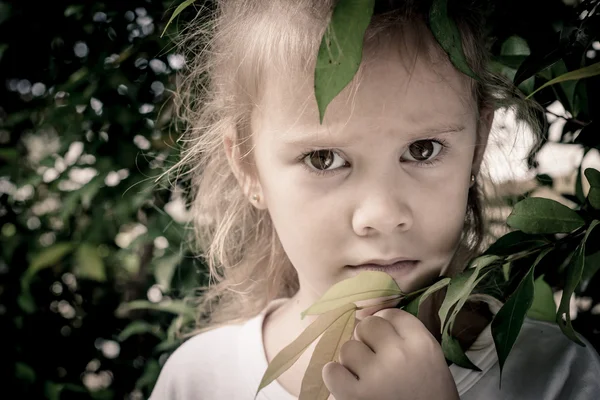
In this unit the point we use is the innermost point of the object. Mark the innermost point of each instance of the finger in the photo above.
(356, 357)
(340, 382)
(375, 332)
(405, 324)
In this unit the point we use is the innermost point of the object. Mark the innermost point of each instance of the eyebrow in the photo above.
(325, 141)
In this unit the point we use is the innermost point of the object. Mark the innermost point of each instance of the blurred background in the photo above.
(95, 259)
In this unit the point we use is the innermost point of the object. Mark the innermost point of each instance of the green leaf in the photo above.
(515, 46)
(24, 372)
(49, 257)
(177, 11)
(574, 273)
(590, 135)
(327, 350)
(585, 72)
(177, 307)
(461, 286)
(26, 301)
(579, 185)
(447, 34)
(165, 267)
(414, 305)
(507, 323)
(89, 263)
(340, 52)
(543, 307)
(541, 215)
(515, 242)
(46, 258)
(150, 374)
(593, 177)
(290, 354)
(366, 285)
(506, 271)
(139, 327)
(454, 352)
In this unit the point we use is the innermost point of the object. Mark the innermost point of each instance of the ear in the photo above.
(247, 179)
(486, 118)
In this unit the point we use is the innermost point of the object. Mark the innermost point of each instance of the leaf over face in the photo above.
(366, 285)
(447, 35)
(540, 215)
(341, 48)
(290, 354)
(327, 350)
(507, 323)
(574, 273)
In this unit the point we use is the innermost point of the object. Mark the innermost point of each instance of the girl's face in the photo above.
(386, 176)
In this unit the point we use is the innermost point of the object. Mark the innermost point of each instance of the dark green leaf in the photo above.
(593, 177)
(515, 46)
(461, 286)
(340, 53)
(515, 242)
(507, 323)
(543, 307)
(177, 307)
(89, 264)
(589, 135)
(585, 72)
(454, 352)
(541, 215)
(24, 372)
(448, 36)
(574, 274)
(579, 186)
(139, 327)
(415, 304)
(177, 11)
(537, 62)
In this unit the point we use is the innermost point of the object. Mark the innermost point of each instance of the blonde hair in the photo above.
(231, 48)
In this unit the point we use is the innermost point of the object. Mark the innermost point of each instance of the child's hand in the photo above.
(393, 357)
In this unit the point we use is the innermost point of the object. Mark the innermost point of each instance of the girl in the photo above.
(286, 207)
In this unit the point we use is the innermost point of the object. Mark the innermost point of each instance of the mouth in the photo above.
(398, 267)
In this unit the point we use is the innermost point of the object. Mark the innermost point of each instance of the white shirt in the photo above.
(229, 362)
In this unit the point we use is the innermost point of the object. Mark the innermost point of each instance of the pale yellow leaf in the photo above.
(290, 354)
(327, 350)
(364, 286)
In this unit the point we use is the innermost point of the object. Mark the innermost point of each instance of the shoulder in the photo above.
(544, 364)
(200, 360)
(544, 341)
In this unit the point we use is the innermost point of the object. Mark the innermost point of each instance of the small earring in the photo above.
(472, 180)
(255, 198)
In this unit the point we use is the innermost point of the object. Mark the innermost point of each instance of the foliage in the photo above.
(94, 259)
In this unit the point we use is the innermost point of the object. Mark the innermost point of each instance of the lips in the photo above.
(402, 266)
(382, 262)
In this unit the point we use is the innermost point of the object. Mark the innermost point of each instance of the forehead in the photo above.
(410, 93)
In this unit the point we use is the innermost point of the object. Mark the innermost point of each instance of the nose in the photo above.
(384, 207)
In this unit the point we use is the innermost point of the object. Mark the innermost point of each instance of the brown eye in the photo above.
(323, 159)
(423, 150)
